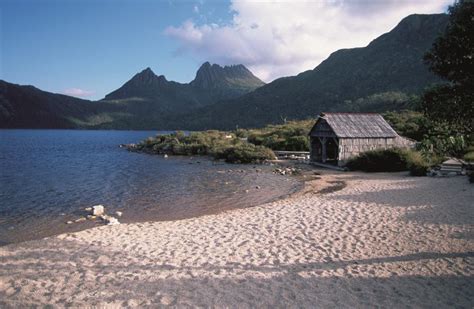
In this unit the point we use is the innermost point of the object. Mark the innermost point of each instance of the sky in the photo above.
(88, 48)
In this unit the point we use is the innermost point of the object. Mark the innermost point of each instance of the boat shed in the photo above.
(337, 137)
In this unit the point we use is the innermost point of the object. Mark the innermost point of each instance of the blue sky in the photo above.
(91, 47)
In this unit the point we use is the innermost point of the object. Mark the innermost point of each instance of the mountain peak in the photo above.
(146, 74)
(147, 77)
(143, 84)
(211, 76)
(414, 29)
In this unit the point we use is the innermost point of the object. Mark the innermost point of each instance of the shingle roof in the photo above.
(358, 125)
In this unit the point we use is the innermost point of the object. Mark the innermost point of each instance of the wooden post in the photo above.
(337, 144)
(323, 144)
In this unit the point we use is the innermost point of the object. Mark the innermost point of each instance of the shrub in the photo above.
(469, 155)
(241, 133)
(416, 163)
(454, 146)
(246, 153)
(212, 143)
(297, 143)
(384, 160)
(471, 177)
(291, 136)
(470, 171)
(391, 160)
(409, 123)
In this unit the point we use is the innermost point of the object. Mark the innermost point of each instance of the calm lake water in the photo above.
(48, 177)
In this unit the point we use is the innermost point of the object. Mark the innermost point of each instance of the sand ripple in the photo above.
(386, 240)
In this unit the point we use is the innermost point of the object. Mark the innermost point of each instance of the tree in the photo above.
(452, 58)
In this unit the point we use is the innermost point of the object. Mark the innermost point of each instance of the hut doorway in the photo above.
(324, 149)
(332, 151)
(316, 150)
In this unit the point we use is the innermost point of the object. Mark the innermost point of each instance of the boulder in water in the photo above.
(109, 220)
(98, 210)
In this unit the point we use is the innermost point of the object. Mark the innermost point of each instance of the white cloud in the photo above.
(280, 38)
(76, 92)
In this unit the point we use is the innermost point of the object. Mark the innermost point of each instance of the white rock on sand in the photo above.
(384, 240)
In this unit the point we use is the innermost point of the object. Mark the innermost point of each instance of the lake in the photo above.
(48, 177)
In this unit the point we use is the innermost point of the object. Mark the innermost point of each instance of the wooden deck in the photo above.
(296, 155)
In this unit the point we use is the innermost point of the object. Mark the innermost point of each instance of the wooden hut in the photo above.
(336, 137)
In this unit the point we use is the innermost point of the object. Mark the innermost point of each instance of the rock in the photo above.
(112, 221)
(80, 220)
(246, 191)
(109, 220)
(88, 209)
(257, 187)
(91, 217)
(98, 210)
(119, 213)
(69, 222)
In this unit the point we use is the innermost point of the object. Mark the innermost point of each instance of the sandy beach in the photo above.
(383, 240)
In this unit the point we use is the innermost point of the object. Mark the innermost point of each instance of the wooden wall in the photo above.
(351, 147)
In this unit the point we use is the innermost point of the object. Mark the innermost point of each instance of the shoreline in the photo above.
(384, 239)
(87, 224)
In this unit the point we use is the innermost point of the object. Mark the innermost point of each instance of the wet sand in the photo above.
(372, 240)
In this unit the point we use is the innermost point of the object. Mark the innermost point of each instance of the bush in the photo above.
(469, 155)
(220, 145)
(391, 160)
(409, 123)
(455, 146)
(297, 143)
(246, 153)
(471, 177)
(416, 163)
(291, 136)
(384, 160)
